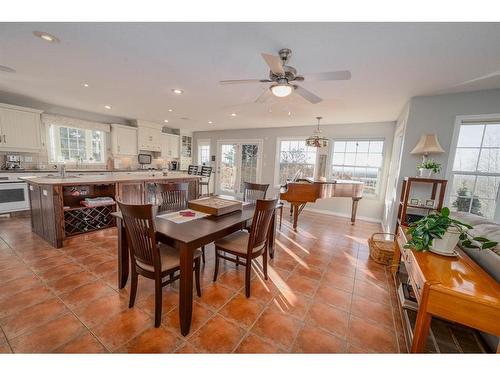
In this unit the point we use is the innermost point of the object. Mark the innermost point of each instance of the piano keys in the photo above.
(304, 191)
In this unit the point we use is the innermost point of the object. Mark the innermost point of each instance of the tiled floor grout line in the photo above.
(67, 306)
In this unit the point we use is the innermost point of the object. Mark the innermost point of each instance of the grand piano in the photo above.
(306, 190)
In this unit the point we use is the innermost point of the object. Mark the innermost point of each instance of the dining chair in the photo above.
(248, 245)
(253, 191)
(150, 258)
(205, 172)
(174, 196)
(193, 169)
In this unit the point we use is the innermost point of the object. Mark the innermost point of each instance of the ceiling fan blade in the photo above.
(486, 76)
(339, 75)
(274, 63)
(264, 97)
(307, 95)
(237, 81)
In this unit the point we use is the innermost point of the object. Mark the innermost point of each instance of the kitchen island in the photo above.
(57, 212)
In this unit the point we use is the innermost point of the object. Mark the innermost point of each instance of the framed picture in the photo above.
(429, 203)
(415, 201)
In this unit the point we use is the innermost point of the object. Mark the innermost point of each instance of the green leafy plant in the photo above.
(430, 164)
(435, 225)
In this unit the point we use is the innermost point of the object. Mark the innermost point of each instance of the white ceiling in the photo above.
(134, 66)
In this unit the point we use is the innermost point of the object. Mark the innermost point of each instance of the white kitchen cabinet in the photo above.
(149, 136)
(169, 145)
(19, 129)
(123, 140)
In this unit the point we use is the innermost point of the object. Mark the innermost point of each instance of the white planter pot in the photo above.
(425, 172)
(447, 244)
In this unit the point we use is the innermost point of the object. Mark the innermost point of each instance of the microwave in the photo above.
(144, 159)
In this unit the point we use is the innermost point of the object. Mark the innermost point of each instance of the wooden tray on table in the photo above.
(215, 206)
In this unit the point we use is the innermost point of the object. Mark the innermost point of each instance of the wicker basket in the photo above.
(382, 249)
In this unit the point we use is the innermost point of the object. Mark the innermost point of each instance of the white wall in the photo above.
(436, 114)
(369, 208)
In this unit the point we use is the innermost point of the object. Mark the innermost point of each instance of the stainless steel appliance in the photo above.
(144, 160)
(12, 161)
(13, 194)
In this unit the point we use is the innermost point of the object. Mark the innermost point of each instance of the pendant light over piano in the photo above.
(317, 140)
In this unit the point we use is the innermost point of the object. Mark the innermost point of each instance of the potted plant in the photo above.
(428, 167)
(440, 233)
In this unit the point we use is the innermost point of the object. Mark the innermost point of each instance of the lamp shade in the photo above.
(428, 144)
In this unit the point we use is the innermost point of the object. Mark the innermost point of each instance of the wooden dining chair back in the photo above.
(150, 258)
(173, 196)
(193, 169)
(253, 191)
(261, 222)
(248, 245)
(141, 235)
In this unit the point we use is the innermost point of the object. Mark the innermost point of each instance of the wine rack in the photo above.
(86, 219)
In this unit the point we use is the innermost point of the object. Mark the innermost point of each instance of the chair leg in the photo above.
(133, 287)
(264, 263)
(237, 261)
(216, 271)
(197, 276)
(158, 301)
(248, 271)
(203, 254)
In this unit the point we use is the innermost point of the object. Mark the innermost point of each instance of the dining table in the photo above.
(186, 238)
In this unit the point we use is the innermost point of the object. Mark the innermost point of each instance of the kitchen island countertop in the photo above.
(112, 177)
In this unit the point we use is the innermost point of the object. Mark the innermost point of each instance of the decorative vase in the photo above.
(447, 244)
(425, 172)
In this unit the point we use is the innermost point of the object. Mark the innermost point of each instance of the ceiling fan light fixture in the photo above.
(317, 140)
(282, 90)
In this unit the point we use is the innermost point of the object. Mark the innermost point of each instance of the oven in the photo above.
(13, 195)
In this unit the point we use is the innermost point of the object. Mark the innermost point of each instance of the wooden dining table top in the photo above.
(202, 228)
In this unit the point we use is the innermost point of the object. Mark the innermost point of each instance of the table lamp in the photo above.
(428, 144)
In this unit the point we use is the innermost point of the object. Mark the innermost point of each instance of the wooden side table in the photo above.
(404, 204)
(452, 288)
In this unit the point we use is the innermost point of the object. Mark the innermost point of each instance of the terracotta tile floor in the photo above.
(324, 295)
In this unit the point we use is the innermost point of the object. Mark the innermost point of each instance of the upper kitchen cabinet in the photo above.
(149, 136)
(123, 140)
(170, 146)
(19, 129)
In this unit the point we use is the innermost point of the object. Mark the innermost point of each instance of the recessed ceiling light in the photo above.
(233, 114)
(289, 113)
(107, 106)
(46, 36)
(6, 69)
(177, 91)
(85, 85)
(165, 121)
(170, 110)
(210, 122)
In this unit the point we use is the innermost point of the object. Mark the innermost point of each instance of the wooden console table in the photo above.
(452, 288)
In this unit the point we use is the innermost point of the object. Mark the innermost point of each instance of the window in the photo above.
(204, 152)
(295, 157)
(476, 170)
(77, 145)
(359, 160)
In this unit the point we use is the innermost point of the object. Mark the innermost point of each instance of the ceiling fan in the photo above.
(282, 78)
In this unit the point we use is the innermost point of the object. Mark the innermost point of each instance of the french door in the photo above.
(237, 162)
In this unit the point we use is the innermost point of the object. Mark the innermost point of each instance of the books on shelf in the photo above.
(97, 202)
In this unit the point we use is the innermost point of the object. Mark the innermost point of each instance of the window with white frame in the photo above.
(204, 152)
(77, 145)
(359, 160)
(295, 158)
(475, 180)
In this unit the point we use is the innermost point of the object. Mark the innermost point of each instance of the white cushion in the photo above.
(237, 242)
(169, 258)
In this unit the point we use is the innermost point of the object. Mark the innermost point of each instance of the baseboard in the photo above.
(332, 213)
